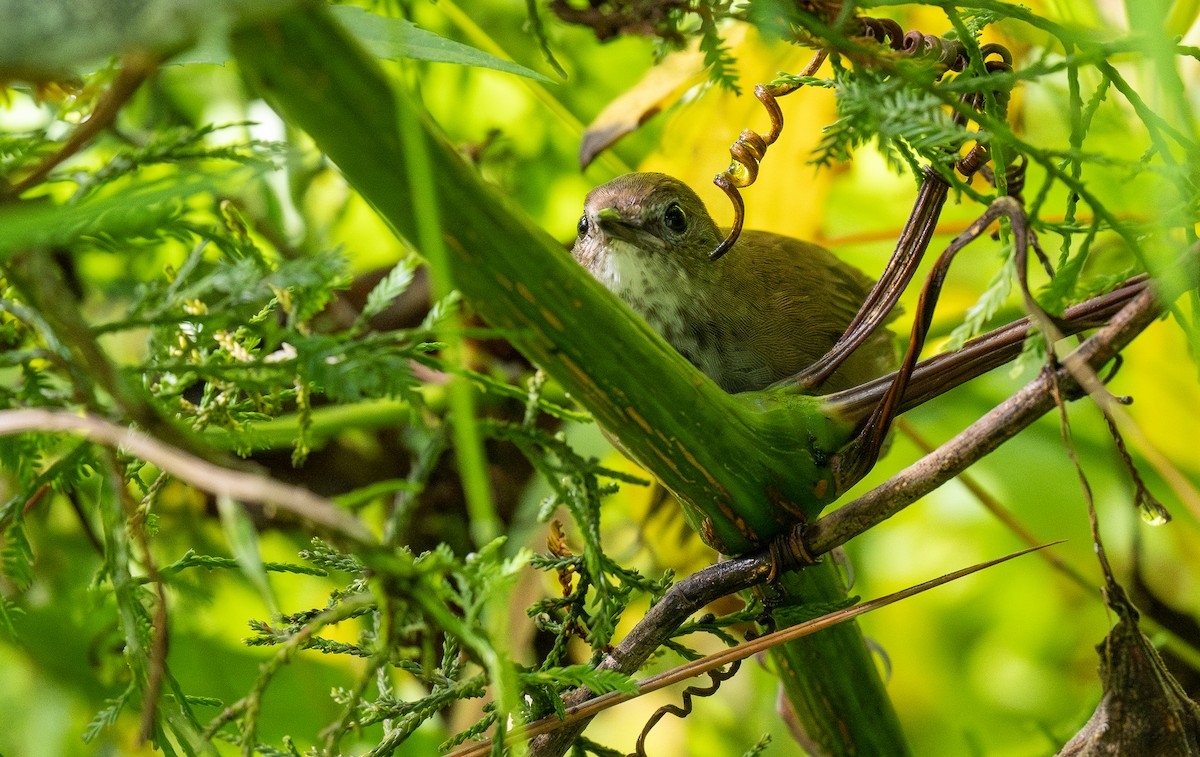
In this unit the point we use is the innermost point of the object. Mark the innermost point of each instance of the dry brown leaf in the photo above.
(1143, 711)
(658, 89)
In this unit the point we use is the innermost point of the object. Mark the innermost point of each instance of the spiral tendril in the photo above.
(750, 148)
(748, 151)
(717, 677)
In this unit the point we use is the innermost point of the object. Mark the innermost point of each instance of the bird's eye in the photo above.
(582, 228)
(674, 219)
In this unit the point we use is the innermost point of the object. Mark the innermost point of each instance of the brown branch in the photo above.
(135, 68)
(206, 476)
(554, 736)
(655, 628)
(937, 375)
(983, 436)
(1140, 307)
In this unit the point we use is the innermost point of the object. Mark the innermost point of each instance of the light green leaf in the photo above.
(243, 542)
(8, 612)
(394, 38)
(988, 305)
(598, 681)
(124, 211)
(16, 557)
(389, 288)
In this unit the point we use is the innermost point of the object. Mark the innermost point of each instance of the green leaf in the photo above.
(763, 742)
(393, 38)
(8, 611)
(441, 311)
(50, 38)
(718, 59)
(988, 305)
(354, 371)
(383, 37)
(243, 542)
(17, 555)
(123, 211)
(597, 681)
(391, 287)
(106, 717)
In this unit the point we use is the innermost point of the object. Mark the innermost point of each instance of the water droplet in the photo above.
(1153, 512)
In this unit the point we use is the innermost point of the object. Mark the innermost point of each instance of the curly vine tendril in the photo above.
(750, 148)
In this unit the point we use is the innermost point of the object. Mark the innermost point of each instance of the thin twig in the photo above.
(1166, 469)
(682, 600)
(135, 68)
(160, 640)
(238, 485)
(248, 706)
(586, 710)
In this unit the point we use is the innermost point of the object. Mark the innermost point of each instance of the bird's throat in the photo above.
(656, 287)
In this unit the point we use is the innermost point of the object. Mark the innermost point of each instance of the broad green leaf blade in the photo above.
(393, 38)
(44, 39)
(383, 37)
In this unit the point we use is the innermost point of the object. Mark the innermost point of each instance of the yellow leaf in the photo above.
(658, 89)
(788, 197)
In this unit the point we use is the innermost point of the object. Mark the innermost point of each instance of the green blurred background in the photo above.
(999, 664)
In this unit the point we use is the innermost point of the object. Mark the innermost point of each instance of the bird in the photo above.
(751, 319)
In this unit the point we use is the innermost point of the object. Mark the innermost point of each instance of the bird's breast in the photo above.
(659, 290)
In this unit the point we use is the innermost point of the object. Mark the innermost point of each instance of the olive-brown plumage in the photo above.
(760, 314)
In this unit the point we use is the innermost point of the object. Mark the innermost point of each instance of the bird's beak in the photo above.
(610, 216)
(618, 226)
(615, 225)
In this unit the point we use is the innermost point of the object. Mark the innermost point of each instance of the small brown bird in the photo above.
(758, 315)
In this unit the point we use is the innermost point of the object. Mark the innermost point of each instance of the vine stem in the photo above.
(983, 436)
